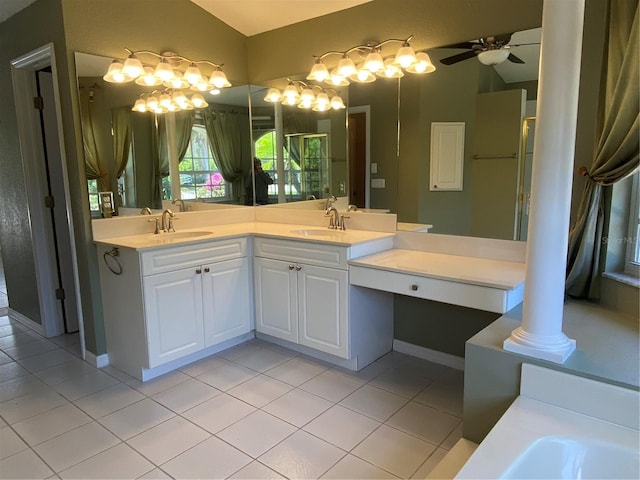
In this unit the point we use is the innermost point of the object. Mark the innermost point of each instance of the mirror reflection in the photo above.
(201, 155)
(303, 150)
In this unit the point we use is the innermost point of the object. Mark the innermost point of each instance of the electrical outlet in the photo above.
(374, 168)
(377, 183)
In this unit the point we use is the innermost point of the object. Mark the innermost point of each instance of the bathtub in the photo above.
(562, 426)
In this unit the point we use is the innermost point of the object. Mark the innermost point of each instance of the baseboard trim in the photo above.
(424, 353)
(26, 321)
(98, 361)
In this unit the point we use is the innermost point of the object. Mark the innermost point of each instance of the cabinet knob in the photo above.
(414, 287)
(207, 269)
(198, 271)
(291, 267)
(298, 268)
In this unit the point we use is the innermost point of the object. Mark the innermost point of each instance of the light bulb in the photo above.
(374, 61)
(305, 103)
(363, 75)
(152, 103)
(405, 56)
(148, 78)
(179, 97)
(164, 100)
(390, 70)
(177, 81)
(319, 72)
(218, 79)
(202, 85)
(336, 79)
(115, 74)
(346, 67)
(198, 101)
(291, 91)
(273, 95)
(132, 66)
(214, 91)
(422, 65)
(164, 71)
(307, 95)
(337, 103)
(192, 74)
(140, 106)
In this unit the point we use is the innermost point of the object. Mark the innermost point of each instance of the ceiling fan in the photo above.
(489, 50)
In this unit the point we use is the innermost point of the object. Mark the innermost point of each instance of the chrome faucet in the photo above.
(334, 221)
(167, 221)
(146, 211)
(352, 208)
(180, 203)
(330, 201)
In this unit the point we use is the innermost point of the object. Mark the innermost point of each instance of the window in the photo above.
(632, 264)
(200, 177)
(94, 200)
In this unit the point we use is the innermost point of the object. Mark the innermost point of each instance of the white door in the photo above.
(276, 298)
(173, 310)
(226, 301)
(322, 297)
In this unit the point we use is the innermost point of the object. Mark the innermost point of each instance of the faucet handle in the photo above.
(157, 220)
(171, 219)
(342, 225)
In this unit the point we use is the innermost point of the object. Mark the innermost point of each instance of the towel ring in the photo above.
(113, 255)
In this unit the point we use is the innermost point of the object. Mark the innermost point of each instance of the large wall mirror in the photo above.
(389, 122)
(214, 144)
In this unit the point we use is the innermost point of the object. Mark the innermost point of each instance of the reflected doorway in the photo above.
(359, 159)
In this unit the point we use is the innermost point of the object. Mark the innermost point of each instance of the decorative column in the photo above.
(540, 335)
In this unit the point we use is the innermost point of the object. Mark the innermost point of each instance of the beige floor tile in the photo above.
(342, 427)
(26, 406)
(297, 370)
(424, 422)
(167, 440)
(219, 412)
(297, 407)
(394, 451)
(203, 366)
(20, 386)
(256, 471)
(374, 402)
(263, 359)
(302, 456)
(185, 395)
(11, 370)
(404, 382)
(109, 400)
(256, 433)
(46, 360)
(332, 385)
(136, 418)
(65, 371)
(158, 384)
(84, 385)
(355, 468)
(50, 424)
(227, 376)
(10, 443)
(260, 390)
(77, 445)
(430, 463)
(210, 459)
(443, 396)
(25, 464)
(120, 461)
(155, 474)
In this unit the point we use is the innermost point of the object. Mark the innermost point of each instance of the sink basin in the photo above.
(170, 237)
(316, 232)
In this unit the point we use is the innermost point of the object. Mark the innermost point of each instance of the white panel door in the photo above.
(447, 156)
(322, 297)
(276, 298)
(225, 296)
(173, 310)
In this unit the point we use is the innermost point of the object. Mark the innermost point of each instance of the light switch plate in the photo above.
(377, 183)
(374, 168)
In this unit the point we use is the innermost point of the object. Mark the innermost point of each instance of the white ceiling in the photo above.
(251, 17)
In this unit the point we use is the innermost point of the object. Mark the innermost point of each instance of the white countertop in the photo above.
(215, 232)
(477, 271)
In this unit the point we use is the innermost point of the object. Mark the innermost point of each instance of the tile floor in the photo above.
(254, 411)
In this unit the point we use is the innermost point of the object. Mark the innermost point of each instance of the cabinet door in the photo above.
(322, 297)
(226, 300)
(173, 310)
(276, 299)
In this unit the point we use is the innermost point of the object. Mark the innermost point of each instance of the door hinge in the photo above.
(60, 293)
(38, 103)
(49, 202)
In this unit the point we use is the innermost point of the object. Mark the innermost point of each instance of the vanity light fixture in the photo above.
(168, 71)
(374, 64)
(168, 100)
(306, 96)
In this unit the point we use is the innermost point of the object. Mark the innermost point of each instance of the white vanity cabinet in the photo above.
(303, 296)
(173, 305)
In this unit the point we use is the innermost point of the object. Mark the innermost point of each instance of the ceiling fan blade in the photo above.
(465, 45)
(458, 58)
(514, 59)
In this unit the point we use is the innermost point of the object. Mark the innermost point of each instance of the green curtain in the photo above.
(121, 123)
(183, 125)
(225, 137)
(93, 164)
(617, 152)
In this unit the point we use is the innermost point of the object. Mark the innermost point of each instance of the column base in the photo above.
(555, 349)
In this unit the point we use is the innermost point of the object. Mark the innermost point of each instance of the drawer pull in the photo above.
(298, 268)
(198, 271)
(207, 269)
(414, 287)
(291, 267)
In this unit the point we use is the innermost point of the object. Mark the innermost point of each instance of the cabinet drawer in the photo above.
(300, 251)
(456, 293)
(172, 258)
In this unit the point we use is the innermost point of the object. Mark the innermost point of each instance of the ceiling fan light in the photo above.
(493, 57)
(305, 103)
(422, 64)
(214, 91)
(323, 100)
(390, 70)
(152, 103)
(337, 103)
(132, 66)
(177, 81)
(405, 56)
(198, 101)
(319, 72)
(307, 95)
(336, 79)
(179, 97)
(140, 106)
(218, 79)
(202, 85)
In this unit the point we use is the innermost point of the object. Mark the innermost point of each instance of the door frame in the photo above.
(366, 109)
(31, 145)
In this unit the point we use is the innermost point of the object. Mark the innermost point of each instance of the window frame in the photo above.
(632, 253)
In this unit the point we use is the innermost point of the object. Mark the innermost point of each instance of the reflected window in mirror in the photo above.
(200, 177)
